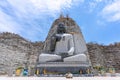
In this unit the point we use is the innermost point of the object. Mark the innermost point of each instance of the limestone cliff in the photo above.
(15, 52)
(107, 56)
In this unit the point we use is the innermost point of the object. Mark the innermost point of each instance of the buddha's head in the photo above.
(61, 28)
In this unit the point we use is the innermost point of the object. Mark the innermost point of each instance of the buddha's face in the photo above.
(61, 28)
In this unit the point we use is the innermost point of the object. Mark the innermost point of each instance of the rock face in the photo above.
(15, 52)
(106, 56)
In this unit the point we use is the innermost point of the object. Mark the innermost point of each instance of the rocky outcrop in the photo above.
(107, 56)
(96, 54)
(16, 51)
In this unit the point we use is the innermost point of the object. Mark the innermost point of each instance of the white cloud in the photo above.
(6, 24)
(29, 17)
(97, 4)
(101, 23)
(111, 12)
(48, 5)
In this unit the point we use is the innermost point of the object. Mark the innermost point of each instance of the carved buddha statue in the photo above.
(62, 48)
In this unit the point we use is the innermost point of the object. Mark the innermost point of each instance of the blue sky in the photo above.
(99, 20)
